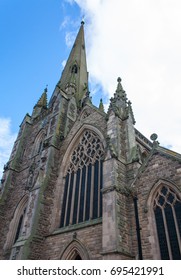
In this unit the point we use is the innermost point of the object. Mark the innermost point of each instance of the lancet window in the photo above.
(16, 225)
(167, 210)
(38, 146)
(82, 199)
(20, 224)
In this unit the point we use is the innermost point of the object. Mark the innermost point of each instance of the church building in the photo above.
(85, 184)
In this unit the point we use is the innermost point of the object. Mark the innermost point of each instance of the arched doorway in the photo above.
(75, 251)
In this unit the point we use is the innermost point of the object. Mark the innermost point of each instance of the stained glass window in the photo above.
(82, 200)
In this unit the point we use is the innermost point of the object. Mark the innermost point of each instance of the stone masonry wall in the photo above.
(52, 189)
(159, 167)
(90, 237)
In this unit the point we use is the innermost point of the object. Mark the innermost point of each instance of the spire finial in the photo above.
(154, 138)
(119, 80)
(101, 106)
(82, 22)
(46, 88)
(119, 86)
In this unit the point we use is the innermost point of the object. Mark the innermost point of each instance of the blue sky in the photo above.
(32, 50)
(137, 40)
(33, 47)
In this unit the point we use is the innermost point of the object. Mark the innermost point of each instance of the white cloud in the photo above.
(69, 38)
(7, 139)
(63, 63)
(65, 22)
(139, 41)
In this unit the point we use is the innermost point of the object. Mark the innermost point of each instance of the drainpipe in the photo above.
(135, 199)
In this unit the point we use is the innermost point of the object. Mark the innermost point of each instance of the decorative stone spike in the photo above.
(131, 111)
(42, 102)
(119, 86)
(40, 105)
(101, 106)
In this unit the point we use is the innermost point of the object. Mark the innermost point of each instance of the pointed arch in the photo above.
(164, 208)
(38, 143)
(156, 185)
(82, 170)
(75, 250)
(75, 141)
(16, 223)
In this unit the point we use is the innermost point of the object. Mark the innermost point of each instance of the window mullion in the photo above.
(85, 193)
(92, 192)
(73, 198)
(78, 204)
(176, 226)
(66, 207)
(99, 187)
(166, 233)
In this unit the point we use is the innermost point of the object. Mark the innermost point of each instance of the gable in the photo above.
(157, 166)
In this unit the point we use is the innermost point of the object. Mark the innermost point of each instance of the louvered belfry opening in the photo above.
(82, 199)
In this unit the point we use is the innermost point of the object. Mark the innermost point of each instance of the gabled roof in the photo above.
(168, 153)
(156, 149)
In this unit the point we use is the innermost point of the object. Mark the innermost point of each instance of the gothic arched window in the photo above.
(16, 225)
(38, 146)
(167, 210)
(82, 199)
(20, 225)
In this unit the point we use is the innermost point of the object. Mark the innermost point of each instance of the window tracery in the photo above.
(82, 199)
(167, 210)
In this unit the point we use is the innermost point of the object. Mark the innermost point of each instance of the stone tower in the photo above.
(84, 184)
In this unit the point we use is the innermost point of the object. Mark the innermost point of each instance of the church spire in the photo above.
(74, 79)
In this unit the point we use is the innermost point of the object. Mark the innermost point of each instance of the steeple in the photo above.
(74, 79)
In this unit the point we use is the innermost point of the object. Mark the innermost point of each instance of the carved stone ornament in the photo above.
(72, 109)
(85, 114)
(31, 176)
